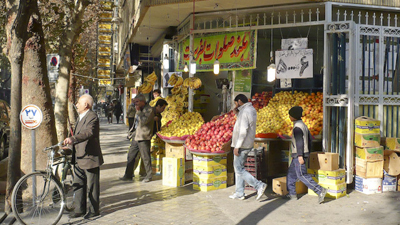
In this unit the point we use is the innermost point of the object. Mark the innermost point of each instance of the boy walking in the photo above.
(301, 144)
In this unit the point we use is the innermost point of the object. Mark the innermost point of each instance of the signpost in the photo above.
(31, 117)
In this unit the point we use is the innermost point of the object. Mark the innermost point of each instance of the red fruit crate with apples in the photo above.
(214, 136)
(260, 100)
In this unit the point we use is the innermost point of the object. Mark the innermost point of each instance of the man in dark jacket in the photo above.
(301, 145)
(88, 158)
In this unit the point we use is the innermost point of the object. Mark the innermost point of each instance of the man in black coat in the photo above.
(87, 159)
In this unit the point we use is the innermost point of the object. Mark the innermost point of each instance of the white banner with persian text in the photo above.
(294, 64)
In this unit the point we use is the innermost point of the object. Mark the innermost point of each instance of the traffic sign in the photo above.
(31, 116)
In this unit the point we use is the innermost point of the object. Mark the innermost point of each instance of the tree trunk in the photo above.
(16, 37)
(72, 113)
(70, 35)
(36, 90)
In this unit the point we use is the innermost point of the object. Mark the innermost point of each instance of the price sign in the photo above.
(286, 83)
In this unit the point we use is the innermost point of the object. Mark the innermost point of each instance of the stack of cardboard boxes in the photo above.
(324, 168)
(368, 155)
(391, 165)
(209, 172)
(177, 165)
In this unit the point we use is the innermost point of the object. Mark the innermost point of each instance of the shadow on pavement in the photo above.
(272, 203)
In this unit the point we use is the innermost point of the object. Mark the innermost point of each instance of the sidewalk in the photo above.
(151, 203)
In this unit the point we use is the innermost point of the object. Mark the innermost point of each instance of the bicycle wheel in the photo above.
(38, 199)
(68, 188)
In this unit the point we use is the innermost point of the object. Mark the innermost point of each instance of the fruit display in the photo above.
(260, 100)
(148, 83)
(274, 118)
(177, 104)
(192, 82)
(186, 124)
(213, 135)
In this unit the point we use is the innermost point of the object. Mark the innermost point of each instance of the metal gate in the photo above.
(361, 79)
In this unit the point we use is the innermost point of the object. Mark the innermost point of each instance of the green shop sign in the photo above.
(234, 51)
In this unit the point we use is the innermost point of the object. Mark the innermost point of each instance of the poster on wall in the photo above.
(294, 63)
(243, 81)
(234, 51)
(294, 43)
(166, 77)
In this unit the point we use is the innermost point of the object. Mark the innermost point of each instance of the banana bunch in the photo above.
(173, 79)
(192, 82)
(178, 82)
(176, 90)
(153, 102)
(152, 78)
(146, 87)
(184, 90)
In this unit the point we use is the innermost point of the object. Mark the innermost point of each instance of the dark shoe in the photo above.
(125, 179)
(146, 180)
(76, 215)
(91, 215)
(291, 198)
(321, 196)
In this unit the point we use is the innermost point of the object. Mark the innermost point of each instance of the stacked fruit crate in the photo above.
(253, 165)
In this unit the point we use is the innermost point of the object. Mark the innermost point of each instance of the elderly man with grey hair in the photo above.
(88, 158)
(143, 128)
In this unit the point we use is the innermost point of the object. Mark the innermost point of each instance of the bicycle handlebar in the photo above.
(53, 147)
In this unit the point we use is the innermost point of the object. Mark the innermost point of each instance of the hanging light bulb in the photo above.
(193, 66)
(271, 68)
(166, 62)
(186, 69)
(216, 67)
(271, 72)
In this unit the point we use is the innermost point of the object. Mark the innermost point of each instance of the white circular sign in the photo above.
(31, 116)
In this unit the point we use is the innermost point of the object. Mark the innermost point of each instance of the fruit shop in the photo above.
(279, 59)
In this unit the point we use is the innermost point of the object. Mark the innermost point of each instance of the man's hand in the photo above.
(67, 141)
(236, 151)
(137, 108)
(301, 160)
(236, 110)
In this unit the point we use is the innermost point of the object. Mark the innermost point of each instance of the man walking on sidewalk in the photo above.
(243, 136)
(143, 126)
(301, 143)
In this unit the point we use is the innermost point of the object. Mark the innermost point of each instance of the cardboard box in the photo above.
(279, 186)
(335, 191)
(368, 185)
(389, 183)
(173, 171)
(367, 140)
(209, 172)
(324, 161)
(177, 151)
(370, 154)
(391, 163)
(328, 177)
(209, 184)
(230, 179)
(369, 169)
(366, 125)
(392, 143)
(207, 160)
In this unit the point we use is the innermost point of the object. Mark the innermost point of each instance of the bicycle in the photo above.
(40, 197)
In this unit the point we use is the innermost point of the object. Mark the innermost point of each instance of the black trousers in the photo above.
(130, 121)
(144, 148)
(86, 185)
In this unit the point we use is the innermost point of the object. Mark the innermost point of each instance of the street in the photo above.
(152, 203)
